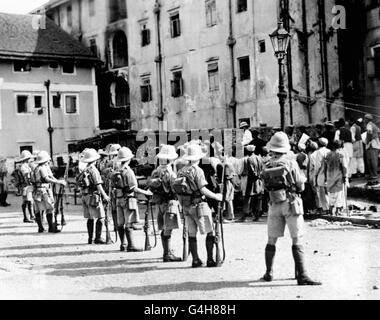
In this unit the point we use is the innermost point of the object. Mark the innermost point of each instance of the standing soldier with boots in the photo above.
(126, 187)
(190, 186)
(43, 178)
(283, 180)
(160, 183)
(3, 182)
(27, 188)
(90, 183)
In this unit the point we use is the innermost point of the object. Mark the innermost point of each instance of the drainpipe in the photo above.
(50, 128)
(158, 61)
(307, 62)
(289, 64)
(80, 20)
(324, 54)
(231, 41)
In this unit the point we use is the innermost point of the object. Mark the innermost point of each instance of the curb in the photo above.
(358, 221)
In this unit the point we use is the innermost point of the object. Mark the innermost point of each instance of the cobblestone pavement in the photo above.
(62, 266)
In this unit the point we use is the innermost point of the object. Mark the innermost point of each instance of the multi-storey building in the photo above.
(207, 63)
(47, 81)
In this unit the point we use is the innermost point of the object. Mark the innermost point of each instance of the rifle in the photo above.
(185, 238)
(108, 210)
(148, 246)
(219, 233)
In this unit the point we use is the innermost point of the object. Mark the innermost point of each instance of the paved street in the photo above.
(63, 266)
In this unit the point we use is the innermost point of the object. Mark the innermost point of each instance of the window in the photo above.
(146, 91)
(210, 13)
(122, 93)
(117, 10)
(71, 104)
(69, 13)
(213, 76)
(177, 84)
(175, 25)
(22, 104)
(262, 46)
(120, 50)
(36, 64)
(37, 102)
(57, 101)
(26, 148)
(245, 72)
(91, 7)
(94, 47)
(145, 36)
(53, 65)
(22, 66)
(68, 68)
(241, 5)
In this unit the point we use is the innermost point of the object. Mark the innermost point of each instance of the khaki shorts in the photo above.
(27, 193)
(280, 214)
(192, 221)
(126, 217)
(90, 212)
(168, 221)
(44, 200)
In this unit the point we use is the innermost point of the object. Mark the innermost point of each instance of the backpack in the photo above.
(84, 179)
(184, 184)
(19, 177)
(117, 180)
(276, 177)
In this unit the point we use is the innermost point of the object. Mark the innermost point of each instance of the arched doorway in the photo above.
(119, 50)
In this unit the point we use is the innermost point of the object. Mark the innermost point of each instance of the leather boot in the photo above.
(194, 252)
(210, 242)
(26, 219)
(168, 253)
(31, 211)
(270, 252)
(98, 232)
(299, 259)
(90, 230)
(1, 199)
(121, 232)
(129, 232)
(5, 203)
(52, 226)
(39, 223)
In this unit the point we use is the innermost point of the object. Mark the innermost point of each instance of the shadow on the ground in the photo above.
(88, 272)
(57, 254)
(36, 233)
(21, 226)
(44, 246)
(192, 286)
(101, 264)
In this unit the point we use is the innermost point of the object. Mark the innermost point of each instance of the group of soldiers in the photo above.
(181, 188)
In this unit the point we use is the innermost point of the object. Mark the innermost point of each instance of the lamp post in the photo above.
(50, 128)
(280, 40)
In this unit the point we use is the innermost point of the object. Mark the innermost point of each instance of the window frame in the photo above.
(238, 6)
(213, 22)
(74, 73)
(214, 71)
(14, 69)
(65, 95)
(55, 94)
(69, 21)
(240, 69)
(174, 80)
(37, 94)
(147, 31)
(146, 83)
(260, 43)
(179, 30)
(28, 104)
(91, 8)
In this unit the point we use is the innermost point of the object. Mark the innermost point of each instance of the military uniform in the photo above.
(167, 207)
(43, 196)
(3, 183)
(27, 191)
(282, 178)
(196, 210)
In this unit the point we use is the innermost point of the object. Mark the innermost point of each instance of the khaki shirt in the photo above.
(26, 173)
(198, 179)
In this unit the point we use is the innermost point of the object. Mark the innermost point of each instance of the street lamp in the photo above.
(280, 40)
(50, 128)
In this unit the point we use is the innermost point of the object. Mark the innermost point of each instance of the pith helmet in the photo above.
(125, 154)
(279, 143)
(244, 125)
(25, 155)
(42, 157)
(368, 117)
(167, 152)
(90, 155)
(114, 149)
(323, 141)
(102, 152)
(194, 152)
